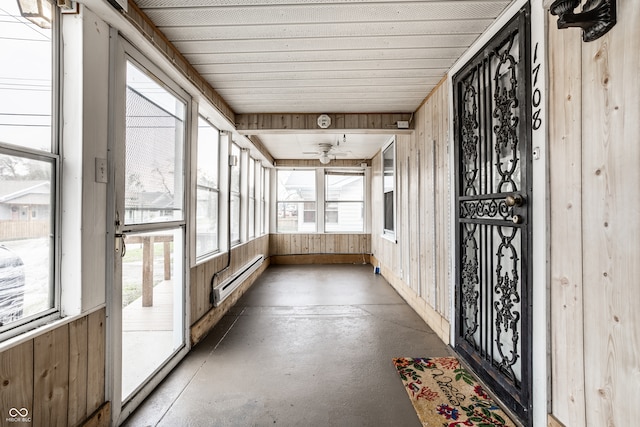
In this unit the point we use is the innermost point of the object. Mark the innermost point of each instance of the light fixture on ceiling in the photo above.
(324, 158)
(40, 12)
(324, 121)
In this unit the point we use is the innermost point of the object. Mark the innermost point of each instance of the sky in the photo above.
(25, 80)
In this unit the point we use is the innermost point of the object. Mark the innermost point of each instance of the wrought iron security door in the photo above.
(493, 199)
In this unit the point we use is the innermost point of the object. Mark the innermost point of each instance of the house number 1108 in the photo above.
(536, 97)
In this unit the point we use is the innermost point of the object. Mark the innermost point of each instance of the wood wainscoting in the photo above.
(203, 315)
(57, 377)
(320, 248)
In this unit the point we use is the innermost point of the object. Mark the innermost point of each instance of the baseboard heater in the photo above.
(224, 289)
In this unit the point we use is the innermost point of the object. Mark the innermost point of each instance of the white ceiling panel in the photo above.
(310, 44)
(404, 73)
(312, 56)
(319, 13)
(326, 29)
(443, 52)
(328, 66)
(303, 146)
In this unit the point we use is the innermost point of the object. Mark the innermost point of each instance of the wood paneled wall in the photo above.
(417, 264)
(58, 376)
(246, 123)
(203, 315)
(305, 244)
(594, 153)
(319, 248)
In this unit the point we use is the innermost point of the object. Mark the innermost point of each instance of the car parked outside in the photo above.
(12, 284)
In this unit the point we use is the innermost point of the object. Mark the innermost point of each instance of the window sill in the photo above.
(41, 330)
(390, 237)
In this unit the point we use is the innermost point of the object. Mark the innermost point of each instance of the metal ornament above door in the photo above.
(493, 214)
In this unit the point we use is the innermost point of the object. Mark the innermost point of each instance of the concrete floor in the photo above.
(305, 346)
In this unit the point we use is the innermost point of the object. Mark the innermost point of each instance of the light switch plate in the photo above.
(101, 170)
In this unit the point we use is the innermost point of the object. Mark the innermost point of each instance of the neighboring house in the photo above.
(25, 200)
(147, 205)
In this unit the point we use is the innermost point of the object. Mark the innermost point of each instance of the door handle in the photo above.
(515, 200)
(121, 247)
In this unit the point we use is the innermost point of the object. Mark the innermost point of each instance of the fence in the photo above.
(16, 230)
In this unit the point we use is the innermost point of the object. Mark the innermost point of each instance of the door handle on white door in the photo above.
(121, 247)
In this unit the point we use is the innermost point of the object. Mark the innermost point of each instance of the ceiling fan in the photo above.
(326, 149)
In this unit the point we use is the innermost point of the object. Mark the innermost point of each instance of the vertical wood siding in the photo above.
(200, 279)
(565, 166)
(57, 376)
(312, 244)
(418, 264)
(595, 219)
(16, 374)
(204, 315)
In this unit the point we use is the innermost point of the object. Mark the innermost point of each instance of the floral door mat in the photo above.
(444, 394)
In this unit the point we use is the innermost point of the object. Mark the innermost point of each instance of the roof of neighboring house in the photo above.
(149, 200)
(31, 199)
(10, 191)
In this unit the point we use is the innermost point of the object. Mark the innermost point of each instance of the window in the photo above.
(207, 190)
(296, 201)
(234, 212)
(264, 218)
(252, 198)
(389, 184)
(29, 171)
(154, 132)
(344, 201)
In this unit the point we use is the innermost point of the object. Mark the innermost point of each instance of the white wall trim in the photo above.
(540, 211)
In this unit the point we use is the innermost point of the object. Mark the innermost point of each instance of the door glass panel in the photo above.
(152, 304)
(152, 261)
(155, 134)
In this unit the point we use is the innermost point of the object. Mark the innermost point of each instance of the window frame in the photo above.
(264, 197)
(302, 211)
(327, 200)
(387, 232)
(208, 254)
(52, 156)
(235, 194)
(320, 199)
(251, 198)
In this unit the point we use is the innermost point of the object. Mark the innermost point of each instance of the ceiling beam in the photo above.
(257, 143)
(252, 124)
(306, 163)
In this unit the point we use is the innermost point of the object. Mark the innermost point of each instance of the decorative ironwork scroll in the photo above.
(507, 318)
(505, 112)
(487, 208)
(470, 282)
(469, 138)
